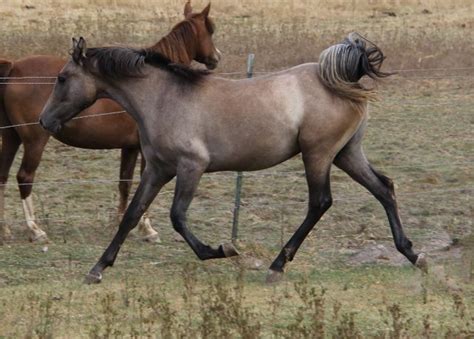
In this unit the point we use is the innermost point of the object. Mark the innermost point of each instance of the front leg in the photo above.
(188, 176)
(153, 179)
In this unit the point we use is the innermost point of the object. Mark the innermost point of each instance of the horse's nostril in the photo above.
(41, 123)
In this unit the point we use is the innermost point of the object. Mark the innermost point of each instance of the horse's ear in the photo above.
(188, 9)
(79, 50)
(205, 11)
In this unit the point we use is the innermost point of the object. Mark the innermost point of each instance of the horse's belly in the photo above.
(248, 157)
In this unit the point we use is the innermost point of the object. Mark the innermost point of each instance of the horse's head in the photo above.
(75, 90)
(205, 50)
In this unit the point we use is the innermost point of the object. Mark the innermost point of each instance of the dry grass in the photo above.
(420, 134)
(281, 33)
(207, 303)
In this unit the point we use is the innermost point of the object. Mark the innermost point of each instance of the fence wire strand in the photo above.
(43, 80)
(250, 205)
(75, 118)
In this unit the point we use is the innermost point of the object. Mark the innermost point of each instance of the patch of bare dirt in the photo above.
(438, 246)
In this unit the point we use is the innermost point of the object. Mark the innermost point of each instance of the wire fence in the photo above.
(6, 81)
(403, 74)
(249, 204)
(244, 73)
(230, 175)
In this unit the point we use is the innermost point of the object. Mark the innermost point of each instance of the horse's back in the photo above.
(27, 89)
(38, 65)
(256, 123)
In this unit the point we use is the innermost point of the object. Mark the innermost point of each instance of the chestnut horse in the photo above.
(191, 124)
(189, 40)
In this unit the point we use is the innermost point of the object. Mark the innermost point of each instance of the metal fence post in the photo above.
(238, 182)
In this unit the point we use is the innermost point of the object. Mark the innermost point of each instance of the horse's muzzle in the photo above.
(52, 127)
(211, 65)
(214, 61)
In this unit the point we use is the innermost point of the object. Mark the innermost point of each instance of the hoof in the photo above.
(93, 278)
(274, 277)
(39, 238)
(229, 250)
(422, 263)
(152, 239)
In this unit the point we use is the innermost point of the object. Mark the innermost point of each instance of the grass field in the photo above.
(347, 280)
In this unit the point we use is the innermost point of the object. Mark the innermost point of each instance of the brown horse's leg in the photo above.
(320, 200)
(144, 227)
(353, 161)
(25, 177)
(187, 180)
(10, 143)
(152, 181)
(128, 160)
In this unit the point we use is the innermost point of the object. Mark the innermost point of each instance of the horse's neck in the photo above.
(131, 93)
(175, 49)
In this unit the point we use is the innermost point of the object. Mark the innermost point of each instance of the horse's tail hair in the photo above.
(341, 67)
(5, 69)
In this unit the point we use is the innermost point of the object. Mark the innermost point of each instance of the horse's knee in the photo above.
(25, 180)
(22, 176)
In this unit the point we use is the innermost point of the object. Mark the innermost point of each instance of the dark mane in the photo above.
(124, 62)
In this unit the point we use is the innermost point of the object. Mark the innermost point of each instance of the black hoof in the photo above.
(274, 277)
(93, 278)
(229, 250)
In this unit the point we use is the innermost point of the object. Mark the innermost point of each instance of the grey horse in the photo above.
(192, 123)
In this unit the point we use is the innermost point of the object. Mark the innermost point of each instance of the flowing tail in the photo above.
(5, 68)
(342, 66)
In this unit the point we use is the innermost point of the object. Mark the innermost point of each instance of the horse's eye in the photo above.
(61, 78)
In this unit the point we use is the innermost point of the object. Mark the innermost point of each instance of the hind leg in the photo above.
(353, 161)
(128, 161)
(25, 177)
(10, 143)
(149, 234)
(320, 200)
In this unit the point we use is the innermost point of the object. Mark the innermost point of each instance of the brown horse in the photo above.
(191, 124)
(189, 40)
